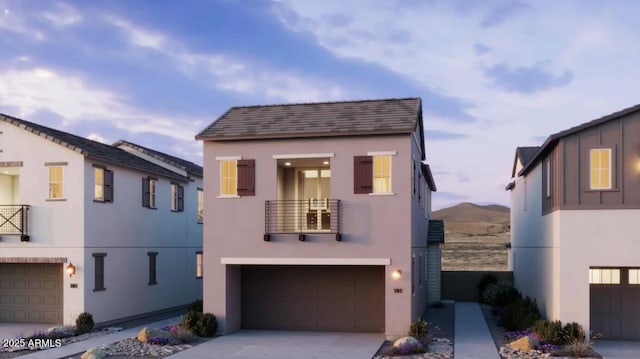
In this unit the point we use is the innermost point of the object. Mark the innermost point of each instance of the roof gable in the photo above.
(553, 140)
(189, 167)
(322, 119)
(93, 149)
(523, 155)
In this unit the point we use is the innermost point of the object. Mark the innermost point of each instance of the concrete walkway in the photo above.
(70, 349)
(473, 339)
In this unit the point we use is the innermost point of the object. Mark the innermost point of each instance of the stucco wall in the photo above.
(372, 226)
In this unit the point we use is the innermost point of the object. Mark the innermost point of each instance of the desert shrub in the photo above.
(501, 294)
(84, 323)
(158, 341)
(520, 314)
(190, 321)
(180, 333)
(484, 283)
(549, 332)
(207, 325)
(195, 306)
(418, 329)
(573, 332)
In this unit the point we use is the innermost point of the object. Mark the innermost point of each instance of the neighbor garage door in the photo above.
(615, 303)
(328, 298)
(31, 292)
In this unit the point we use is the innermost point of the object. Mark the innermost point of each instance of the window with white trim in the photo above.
(199, 263)
(200, 205)
(382, 174)
(177, 197)
(149, 192)
(56, 188)
(228, 178)
(600, 168)
(102, 184)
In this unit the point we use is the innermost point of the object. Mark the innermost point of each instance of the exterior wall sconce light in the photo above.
(71, 269)
(396, 274)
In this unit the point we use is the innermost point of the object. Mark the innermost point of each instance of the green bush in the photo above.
(573, 332)
(190, 321)
(520, 314)
(500, 295)
(196, 306)
(207, 325)
(485, 281)
(84, 323)
(549, 332)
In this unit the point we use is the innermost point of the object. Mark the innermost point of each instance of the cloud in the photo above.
(138, 36)
(62, 15)
(435, 135)
(481, 48)
(502, 13)
(526, 80)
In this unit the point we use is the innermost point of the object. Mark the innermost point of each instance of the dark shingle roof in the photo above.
(347, 118)
(552, 140)
(93, 149)
(436, 231)
(526, 154)
(426, 172)
(191, 168)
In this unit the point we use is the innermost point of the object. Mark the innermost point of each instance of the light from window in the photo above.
(634, 276)
(198, 264)
(381, 174)
(55, 182)
(152, 193)
(604, 276)
(200, 206)
(600, 159)
(98, 187)
(228, 178)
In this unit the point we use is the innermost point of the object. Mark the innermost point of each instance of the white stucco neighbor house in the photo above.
(575, 210)
(318, 217)
(114, 230)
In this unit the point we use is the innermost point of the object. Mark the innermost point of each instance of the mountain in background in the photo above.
(475, 220)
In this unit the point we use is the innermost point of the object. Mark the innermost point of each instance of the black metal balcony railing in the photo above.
(302, 216)
(14, 220)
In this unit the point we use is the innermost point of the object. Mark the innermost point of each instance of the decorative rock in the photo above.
(60, 331)
(94, 353)
(525, 344)
(147, 333)
(406, 341)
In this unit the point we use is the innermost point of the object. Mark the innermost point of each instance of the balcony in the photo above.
(14, 221)
(302, 217)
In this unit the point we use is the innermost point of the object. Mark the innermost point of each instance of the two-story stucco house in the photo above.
(575, 209)
(79, 232)
(317, 217)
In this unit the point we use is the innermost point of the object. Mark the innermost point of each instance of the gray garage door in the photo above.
(31, 292)
(326, 298)
(615, 308)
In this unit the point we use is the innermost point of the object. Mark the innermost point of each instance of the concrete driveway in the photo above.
(617, 349)
(256, 344)
(21, 330)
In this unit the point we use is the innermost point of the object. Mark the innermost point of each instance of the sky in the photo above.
(492, 74)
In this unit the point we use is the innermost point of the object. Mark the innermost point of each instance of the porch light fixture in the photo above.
(396, 274)
(71, 269)
(287, 163)
(325, 162)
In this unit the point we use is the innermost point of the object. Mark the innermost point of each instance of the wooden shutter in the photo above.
(362, 174)
(180, 198)
(145, 192)
(246, 178)
(108, 185)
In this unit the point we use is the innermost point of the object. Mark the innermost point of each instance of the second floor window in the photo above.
(149, 192)
(228, 178)
(600, 168)
(381, 174)
(200, 205)
(103, 185)
(177, 197)
(56, 182)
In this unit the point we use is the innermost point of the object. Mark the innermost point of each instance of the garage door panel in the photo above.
(32, 292)
(615, 310)
(311, 298)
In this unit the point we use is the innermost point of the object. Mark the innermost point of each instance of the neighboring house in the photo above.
(317, 217)
(575, 209)
(69, 203)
